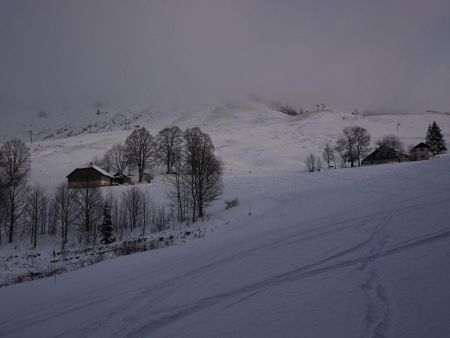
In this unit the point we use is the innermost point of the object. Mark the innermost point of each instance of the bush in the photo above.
(231, 204)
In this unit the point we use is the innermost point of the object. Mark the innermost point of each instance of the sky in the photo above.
(384, 54)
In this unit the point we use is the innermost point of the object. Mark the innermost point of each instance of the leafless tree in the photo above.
(132, 202)
(52, 216)
(328, 156)
(65, 202)
(390, 147)
(2, 204)
(140, 149)
(14, 166)
(353, 144)
(169, 143)
(178, 190)
(89, 204)
(310, 163)
(111, 201)
(160, 219)
(15, 207)
(318, 163)
(362, 142)
(147, 212)
(107, 161)
(36, 210)
(346, 146)
(390, 142)
(203, 170)
(118, 157)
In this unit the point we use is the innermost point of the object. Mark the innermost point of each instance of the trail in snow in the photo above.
(331, 269)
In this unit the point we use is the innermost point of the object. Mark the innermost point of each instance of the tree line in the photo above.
(353, 145)
(92, 214)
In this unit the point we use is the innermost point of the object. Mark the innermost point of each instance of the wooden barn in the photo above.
(91, 176)
(384, 155)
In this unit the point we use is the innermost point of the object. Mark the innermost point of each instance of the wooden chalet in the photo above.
(91, 176)
(383, 155)
(420, 152)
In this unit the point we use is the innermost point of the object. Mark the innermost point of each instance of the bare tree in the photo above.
(390, 146)
(353, 144)
(362, 142)
(169, 143)
(132, 201)
(328, 156)
(90, 203)
(65, 202)
(203, 170)
(318, 163)
(346, 147)
(15, 207)
(118, 157)
(392, 142)
(36, 209)
(2, 204)
(107, 161)
(2, 209)
(14, 166)
(178, 190)
(310, 163)
(140, 149)
(160, 218)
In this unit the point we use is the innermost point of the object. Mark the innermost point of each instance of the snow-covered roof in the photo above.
(95, 167)
(421, 145)
(101, 171)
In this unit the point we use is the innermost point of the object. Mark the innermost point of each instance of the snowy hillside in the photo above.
(341, 253)
(346, 253)
(248, 137)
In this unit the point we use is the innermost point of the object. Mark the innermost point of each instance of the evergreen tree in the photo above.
(107, 229)
(435, 139)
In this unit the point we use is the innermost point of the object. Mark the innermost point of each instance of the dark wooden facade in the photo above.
(420, 152)
(384, 155)
(91, 176)
(120, 178)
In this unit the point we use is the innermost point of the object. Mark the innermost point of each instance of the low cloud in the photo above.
(390, 54)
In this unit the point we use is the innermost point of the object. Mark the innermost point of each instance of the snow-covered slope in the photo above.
(346, 253)
(247, 137)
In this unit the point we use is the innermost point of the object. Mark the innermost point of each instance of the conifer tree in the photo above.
(435, 139)
(107, 229)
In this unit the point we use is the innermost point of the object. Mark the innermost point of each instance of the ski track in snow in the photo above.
(266, 143)
(378, 306)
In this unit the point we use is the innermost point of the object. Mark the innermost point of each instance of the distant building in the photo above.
(384, 155)
(121, 178)
(91, 176)
(420, 152)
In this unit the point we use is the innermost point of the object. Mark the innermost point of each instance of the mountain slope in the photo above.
(252, 137)
(346, 253)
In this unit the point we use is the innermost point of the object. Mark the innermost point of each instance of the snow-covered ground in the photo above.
(347, 253)
(252, 137)
(357, 252)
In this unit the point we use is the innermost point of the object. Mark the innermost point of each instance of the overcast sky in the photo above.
(349, 53)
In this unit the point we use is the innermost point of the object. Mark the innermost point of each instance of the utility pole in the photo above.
(31, 135)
